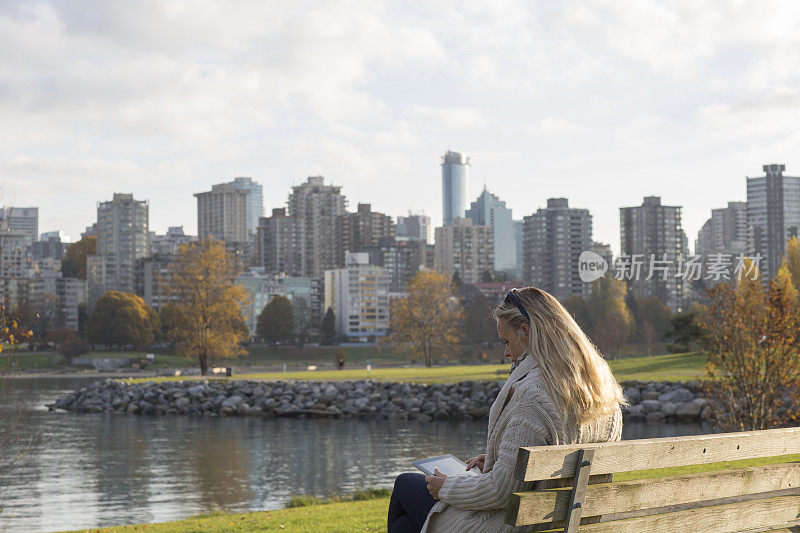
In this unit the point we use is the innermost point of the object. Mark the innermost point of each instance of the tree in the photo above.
(685, 333)
(276, 321)
(477, 326)
(328, 328)
(73, 265)
(792, 260)
(426, 322)
(652, 321)
(43, 315)
(579, 309)
(207, 319)
(754, 358)
(16, 437)
(122, 319)
(612, 323)
(486, 276)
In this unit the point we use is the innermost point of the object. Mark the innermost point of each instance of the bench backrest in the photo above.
(723, 500)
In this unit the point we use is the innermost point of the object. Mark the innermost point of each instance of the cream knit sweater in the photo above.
(471, 503)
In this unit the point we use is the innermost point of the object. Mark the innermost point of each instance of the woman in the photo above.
(560, 391)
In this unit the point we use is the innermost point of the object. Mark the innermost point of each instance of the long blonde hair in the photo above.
(575, 373)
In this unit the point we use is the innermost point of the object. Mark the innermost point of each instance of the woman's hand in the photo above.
(472, 462)
(435, 483)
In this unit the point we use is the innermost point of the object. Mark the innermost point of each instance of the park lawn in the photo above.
(670, 367)
(369, 515)
(365, 515)
(29, 361)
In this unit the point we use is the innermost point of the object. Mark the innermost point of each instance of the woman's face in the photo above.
(508, 335)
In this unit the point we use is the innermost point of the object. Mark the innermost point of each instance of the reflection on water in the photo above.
(100, 470)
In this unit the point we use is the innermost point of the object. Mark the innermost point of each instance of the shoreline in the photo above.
(652, 401)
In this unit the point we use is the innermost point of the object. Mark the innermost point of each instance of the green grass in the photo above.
(669, 367)
(24, 361)
(366, 515)
(363, 515)
(672, 367)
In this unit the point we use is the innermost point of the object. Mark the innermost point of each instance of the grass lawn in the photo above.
(671, 367)
(369, 515)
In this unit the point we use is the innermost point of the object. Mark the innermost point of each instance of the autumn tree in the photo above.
(426, 322)
(754, 358)
(122, 319)
(73, 265)
(276, 321)
(328, 328)
(792, 260)
(612, 323)
(207, 310)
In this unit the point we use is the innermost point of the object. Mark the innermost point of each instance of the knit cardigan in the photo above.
(523, 414)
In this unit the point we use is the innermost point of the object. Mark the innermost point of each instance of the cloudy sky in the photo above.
(602, 102)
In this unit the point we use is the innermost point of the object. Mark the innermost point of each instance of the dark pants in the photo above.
(409, 504)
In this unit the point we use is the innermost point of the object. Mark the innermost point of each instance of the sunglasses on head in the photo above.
(513, 298)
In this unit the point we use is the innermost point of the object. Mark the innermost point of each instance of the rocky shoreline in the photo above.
(467, 400)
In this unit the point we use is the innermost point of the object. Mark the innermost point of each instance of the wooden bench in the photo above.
(757, 498)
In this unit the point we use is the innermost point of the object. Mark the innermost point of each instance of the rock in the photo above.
(690, 410)
(651, 395)
(655, 416)
(635, 413)
(668, 408)
(183, 401)
(651, 406)
(233, 401)
(633, 394)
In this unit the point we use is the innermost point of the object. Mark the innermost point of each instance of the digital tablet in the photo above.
(448, 465)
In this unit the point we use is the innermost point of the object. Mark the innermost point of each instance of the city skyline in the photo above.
(602, 104)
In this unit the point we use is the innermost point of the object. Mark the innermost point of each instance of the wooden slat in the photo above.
(733, 518)
(549, 462)
(609, 498)
(720, 519)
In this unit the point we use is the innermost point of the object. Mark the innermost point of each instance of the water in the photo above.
(99, 470)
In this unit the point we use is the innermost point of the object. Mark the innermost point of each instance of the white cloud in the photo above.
(550, 99)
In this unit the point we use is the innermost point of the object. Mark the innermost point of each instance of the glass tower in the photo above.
(455, 176)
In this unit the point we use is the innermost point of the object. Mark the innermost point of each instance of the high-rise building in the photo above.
(153, 275)
(52, 244)
(773, 216)
(402, 260)
(15, 260)
(489, 210)
(21, 220)
(122, 238)
(553, 239)
(359, 297)
(725, 232)
(255, 203)
(48, 287)
(278, 243)
(357, 232)
(318, 207)
(465, 248)
(518, 225)
(413, 228)
(455, 180)
(652, 233)
(222, 213)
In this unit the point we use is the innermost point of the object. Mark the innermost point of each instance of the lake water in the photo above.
(94, 470)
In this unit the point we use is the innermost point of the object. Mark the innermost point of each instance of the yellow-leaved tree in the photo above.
(754, 355)
(426, 322)
(205, 317)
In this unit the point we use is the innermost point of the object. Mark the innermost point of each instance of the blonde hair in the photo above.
(575, 373)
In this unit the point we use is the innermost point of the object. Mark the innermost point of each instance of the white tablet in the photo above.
(448, 465)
